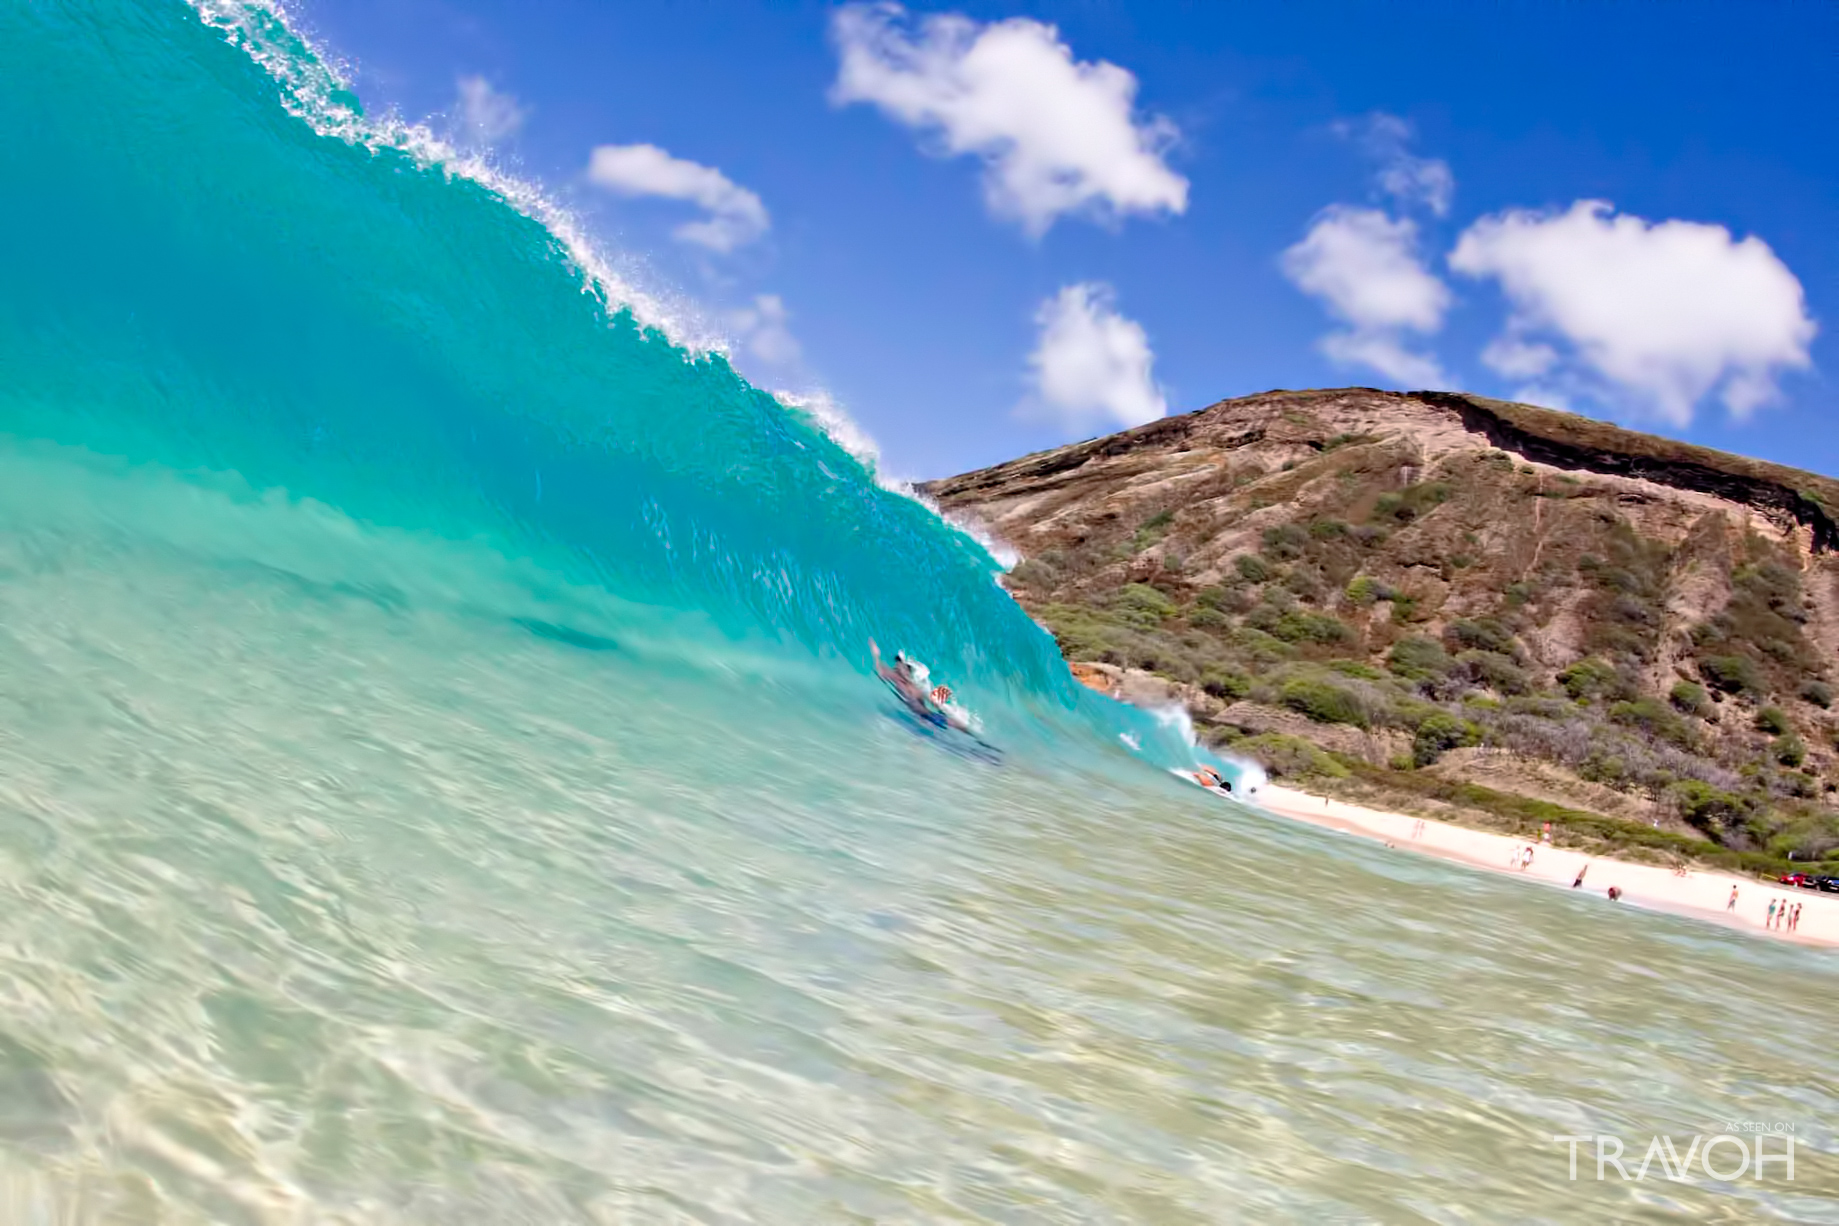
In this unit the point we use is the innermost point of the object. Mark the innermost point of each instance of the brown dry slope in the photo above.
(1435, 570)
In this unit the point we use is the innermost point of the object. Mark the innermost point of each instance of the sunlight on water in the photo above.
(440, 783)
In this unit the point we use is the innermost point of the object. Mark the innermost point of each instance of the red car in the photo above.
(1796, 879)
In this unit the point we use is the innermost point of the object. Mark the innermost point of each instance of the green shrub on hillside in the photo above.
(1261, 647)
(1417, 658)
(1818, 693)
(1365, 590)
(1495, 671)
(1655, 718)
(1327, 529)
(1252, 568)
(1731, 674)
(1411, 502)
(1151, 530)
(1790, 750)
(1306, 583)
(1225, 683)
(1441, 732)
(1590, 679)
(1289, 757)
(1284, 542)
(1689, 697)
(1480, 634)
(1712, 810)
(1772, 720)
(1323, 701)
(1142, 606)
(1299, 626)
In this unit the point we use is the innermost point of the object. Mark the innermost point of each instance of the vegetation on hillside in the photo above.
(1370, 593)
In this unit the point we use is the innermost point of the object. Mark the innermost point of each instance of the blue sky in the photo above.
(985, 230)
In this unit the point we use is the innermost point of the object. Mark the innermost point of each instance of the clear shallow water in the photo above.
(397, 826)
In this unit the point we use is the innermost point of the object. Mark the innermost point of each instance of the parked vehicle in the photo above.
(1828, 884)
(1800, 879)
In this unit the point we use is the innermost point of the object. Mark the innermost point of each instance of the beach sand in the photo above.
(1702, 895)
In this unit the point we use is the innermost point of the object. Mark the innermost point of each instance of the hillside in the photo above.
(1646, 628)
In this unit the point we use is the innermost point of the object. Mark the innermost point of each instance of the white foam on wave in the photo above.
(1177, 720)
(1249, 776)
(1252, 777)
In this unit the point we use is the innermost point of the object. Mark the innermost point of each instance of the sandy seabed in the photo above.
(1702, 895)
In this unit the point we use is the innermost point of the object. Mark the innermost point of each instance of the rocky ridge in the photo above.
(1373, 562)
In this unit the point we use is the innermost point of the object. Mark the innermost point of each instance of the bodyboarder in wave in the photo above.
(912, 682)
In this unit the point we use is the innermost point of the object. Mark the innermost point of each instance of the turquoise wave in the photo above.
(219, 267)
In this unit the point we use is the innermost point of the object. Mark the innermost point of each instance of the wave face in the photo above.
(320, 308)
(441, 780)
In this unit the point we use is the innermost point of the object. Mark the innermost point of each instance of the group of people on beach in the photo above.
(1783, 915)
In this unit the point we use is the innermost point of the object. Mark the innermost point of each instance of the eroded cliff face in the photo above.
(1332, 525)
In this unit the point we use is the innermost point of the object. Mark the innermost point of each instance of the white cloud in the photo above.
(1056, 136)
(736, 216)
(484, 115)
(1385, 353)
(1092, 366)
(1364, 267)
(764, 328)
(1658, 315)
(1402, 175)
(1519, 359)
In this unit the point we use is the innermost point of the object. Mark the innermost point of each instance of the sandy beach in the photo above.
(1702, 895)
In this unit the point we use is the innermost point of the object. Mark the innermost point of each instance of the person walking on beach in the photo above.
(1770, 921)
(1580, 876)
(1526, 858)
(1732, 904)
(1794, 917)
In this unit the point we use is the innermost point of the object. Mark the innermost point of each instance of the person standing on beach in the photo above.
(1770, 921)
(1526, 858)
(1732, 904)
(1580, 876)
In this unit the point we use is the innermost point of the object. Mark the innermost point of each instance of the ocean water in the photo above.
(441, 780)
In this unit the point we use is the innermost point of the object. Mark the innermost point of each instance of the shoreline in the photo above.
(1702, 895)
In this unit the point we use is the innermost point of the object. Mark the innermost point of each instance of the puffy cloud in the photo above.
(1402, 175)
(1056, 136)
(736, 216)
(484, 115)
(1364, 267)
(1658, 315)
(1386, 353)
(1519, 359)
(764, 328)
(1092, 366)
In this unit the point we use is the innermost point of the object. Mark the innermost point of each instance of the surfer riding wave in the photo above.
(910, 680)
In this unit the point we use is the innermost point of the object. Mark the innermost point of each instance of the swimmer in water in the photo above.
(901, 677)
(1210, 778)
